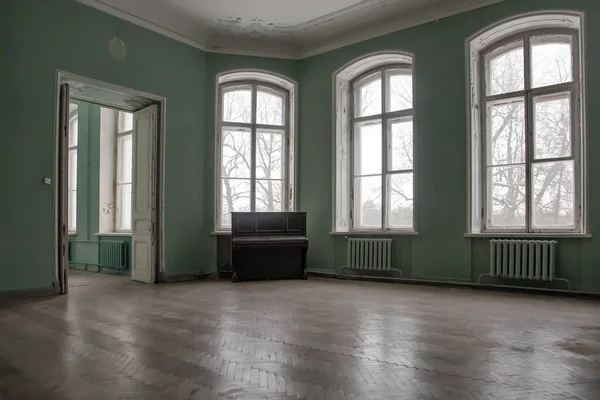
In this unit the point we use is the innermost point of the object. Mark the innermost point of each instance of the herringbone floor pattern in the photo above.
(317, 339)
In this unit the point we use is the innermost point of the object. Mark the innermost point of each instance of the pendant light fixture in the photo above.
(117, 47)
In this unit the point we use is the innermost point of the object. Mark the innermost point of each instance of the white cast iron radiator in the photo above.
(370, 254)
(523, 259)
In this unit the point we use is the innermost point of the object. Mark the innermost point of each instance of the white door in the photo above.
(143, 196)
(62, 188)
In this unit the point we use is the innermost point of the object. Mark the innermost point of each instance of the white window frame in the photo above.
(72, 230)
(119, 135)
(289, 89)
(523, 27)
(384, 117)
(343, 79)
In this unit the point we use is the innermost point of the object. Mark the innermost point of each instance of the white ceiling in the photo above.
(280, 28)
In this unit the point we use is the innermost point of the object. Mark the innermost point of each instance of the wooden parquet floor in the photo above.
(316, 339)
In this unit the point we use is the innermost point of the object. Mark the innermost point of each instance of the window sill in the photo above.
(72, 234)
(529, 235)
(220, 233)
(112, 234)
(374, 233)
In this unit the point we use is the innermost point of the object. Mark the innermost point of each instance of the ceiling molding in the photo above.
(100, 5)
(253, 48)
(399, 25)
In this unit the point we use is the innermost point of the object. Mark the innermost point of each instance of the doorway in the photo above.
(139, 129)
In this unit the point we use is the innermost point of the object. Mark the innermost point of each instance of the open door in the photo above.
(143, 196)
(62, 188)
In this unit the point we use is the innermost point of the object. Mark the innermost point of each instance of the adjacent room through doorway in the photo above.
(109, 166)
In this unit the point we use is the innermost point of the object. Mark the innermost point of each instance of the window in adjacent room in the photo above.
(72, 167)
(254, 145)
(124, 171)
(528, 162)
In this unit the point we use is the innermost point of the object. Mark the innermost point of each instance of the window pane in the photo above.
(400, 200)
(506, 196)
(73, 131)
(552, 126)
(269, 196)
(367, 96)
(400, 85)
(124, 207)
(125, 121)
(235, 196)
(72, 209)
(551, 60)
(125, 158)
(367, 148)
(553, 194)
(505, 69)
(236, 153)
(506, 132)
(72, 170)
(269, 154)
(237, 104)
(269, 106)
(367, 202)
(400, 144)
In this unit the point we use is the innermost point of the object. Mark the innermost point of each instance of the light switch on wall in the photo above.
(47, 181)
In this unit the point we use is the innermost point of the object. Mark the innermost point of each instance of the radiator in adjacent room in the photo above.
(113, 255)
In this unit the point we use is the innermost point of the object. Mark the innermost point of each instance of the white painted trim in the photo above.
(374, 233)
(276, 79)
(529, 235)
(125, 234)
(68, 77)
(246, 47)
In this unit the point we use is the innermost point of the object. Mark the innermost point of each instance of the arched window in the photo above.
(374, 150)
(255, 137)
(527, 126)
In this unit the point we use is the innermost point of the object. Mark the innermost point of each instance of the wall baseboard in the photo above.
(30, 293)
(459, 284)
(192, 276)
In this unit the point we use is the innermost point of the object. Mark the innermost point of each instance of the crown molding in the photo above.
(252, 49)
(372, 32)
(198, 43)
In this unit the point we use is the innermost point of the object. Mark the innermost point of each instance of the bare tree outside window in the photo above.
(529, 155)
(383, 168)
(253, 137)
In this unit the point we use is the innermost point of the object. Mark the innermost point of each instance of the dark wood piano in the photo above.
(268, 245)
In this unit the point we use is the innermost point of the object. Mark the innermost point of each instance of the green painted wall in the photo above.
(41, 36)
(439, 251)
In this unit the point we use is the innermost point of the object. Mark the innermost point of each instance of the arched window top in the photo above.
(361, 65)
(523, 23)
(258, 75)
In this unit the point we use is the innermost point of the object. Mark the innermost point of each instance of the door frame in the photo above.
(68, 77)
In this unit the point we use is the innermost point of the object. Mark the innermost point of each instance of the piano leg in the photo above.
(304, 270)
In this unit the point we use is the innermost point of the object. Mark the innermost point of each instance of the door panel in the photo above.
(63, 181)
(143, 203)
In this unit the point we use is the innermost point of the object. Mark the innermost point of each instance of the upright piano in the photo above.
(268, 245)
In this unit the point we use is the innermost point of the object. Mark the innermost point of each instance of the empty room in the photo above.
(259, 199)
